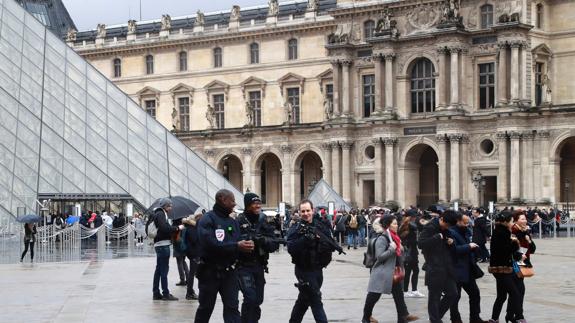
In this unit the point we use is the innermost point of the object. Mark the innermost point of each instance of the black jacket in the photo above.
(480, 230)
(503, 248)
(309, 253)
(218, 235)
(436, 251)
(463, 254)
(165, 230)
(255, 227)
(192, 241)
(410, 243)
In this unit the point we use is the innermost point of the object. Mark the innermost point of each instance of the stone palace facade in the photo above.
(404, 101)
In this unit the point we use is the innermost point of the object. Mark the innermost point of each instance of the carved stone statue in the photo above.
(274, 8)
(200, 19)
(249, 114)
(101, 31)
(289, 113)
(131, 26)
(545, 89)
(166, 22)
(312, 5)
(341, 34)
(328, 108)
(384, 23)
(211, 116)
(235, 14)
(71, 35)
(175, 119)
(451, 14)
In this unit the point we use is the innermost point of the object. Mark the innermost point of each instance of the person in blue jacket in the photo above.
(219, 246)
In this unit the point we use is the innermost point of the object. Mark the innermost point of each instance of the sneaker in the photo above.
(407, 294)
(169, 297)
(410, 318)
(182, 283)
(417, 294)
(157, 297)
(192, 297)
(372, 320)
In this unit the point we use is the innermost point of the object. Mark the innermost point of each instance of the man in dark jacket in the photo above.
(162, 243)
(466, 270)
(439, 273)
(220, 244)
(192, 251)
(480, 234)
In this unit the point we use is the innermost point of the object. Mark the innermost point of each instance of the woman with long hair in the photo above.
(388, 255)
(504, 249)
(408, 235)
(527, 247)
(29, 239)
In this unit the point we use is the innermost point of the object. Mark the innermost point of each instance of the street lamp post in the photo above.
(479, 183)
(567, 185)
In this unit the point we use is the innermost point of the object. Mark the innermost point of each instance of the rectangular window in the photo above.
(184, 109)
(538, 83)
(219, 111)
(329, 92)
(486, 86)
(368, 94)
(151, 107)
(183, 61)
(256, 103)
(293, 98)
(292, 49)
(217, 57)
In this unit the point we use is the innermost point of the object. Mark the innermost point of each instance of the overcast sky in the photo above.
(88, 13)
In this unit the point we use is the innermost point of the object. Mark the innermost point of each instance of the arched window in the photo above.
(422, 87)
(486, 16)
(183, 61)
(539, 10)
(149, 64)
(368, 29)
(292, 49)
(117, 67)
(254, 53)
(217, 57)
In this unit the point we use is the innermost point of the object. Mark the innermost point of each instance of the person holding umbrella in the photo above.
(29, 239)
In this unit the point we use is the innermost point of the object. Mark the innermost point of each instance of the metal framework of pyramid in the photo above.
(323, 193)
(64, 128)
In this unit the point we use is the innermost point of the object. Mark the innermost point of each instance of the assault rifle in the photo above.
(311, 232)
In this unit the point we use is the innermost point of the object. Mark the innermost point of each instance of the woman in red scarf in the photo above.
(388, 255)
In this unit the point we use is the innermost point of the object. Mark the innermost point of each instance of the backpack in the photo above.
(151, 228)
(353, 222)
(59, 222)
(369, 257)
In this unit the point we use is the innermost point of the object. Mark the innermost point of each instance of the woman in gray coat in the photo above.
(388, 252)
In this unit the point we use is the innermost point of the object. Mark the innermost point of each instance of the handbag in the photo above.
(398, 274)
(525, 272)
(476, 271)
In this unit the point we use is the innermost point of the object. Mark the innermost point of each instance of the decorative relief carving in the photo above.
(422, 17)
(472, 18)
(475, 148)
(286, 149)
(210, 152)
(247, 151)
(389, 141)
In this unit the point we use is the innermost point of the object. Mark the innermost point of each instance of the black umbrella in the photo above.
(181, 207)
(29, 218)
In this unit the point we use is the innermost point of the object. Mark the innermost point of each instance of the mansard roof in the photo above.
(58, 19)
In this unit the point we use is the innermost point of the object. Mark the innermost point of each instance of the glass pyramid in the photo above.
(64, 128)
(323, 193)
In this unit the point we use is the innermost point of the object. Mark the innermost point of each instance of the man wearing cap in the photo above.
(219, 247)
(162, 243)
(253, 265)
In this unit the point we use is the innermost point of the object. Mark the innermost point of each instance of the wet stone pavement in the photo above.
(119, 290)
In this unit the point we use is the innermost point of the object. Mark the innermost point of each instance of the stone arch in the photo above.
(420, 168)
(267, 174)
(412, 59)
(257, 157)
(562, 164)
(415, 142)
(307, 169)
(230, 165)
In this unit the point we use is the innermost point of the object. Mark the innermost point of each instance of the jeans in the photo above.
(161, 272)
(474, 301)
(442, 294)
(212, 282)
(309, 296)
(411, 269)
(361, 232)
(183, 270)
(352, 238)
(191, 274)
(506, 285)
(252, 282)
(400, 307)
(483, 252)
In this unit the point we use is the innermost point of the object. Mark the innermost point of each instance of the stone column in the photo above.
(442, 167)
(378, 65)
(378, 170)
(247, 169)
(335, 167)
(455, 162)
(326, 148)
(346, 88)
(454, 77)
(544, 177)
(515, 71)
(389, 168)
(528, 176)
(336, 86)
(346, 169)
(502, 94)
(389, 82)
(441, 86)
(515, 166)
(502, 184)
(287, 186)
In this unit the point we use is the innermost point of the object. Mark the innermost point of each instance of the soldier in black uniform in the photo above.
(220, 245)
(251, 266)
(310, 244)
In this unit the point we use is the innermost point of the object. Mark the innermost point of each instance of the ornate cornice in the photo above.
(389, 141)
(346, 145)
(515, 135)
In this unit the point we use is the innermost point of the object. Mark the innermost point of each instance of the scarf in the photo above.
(397, 241)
